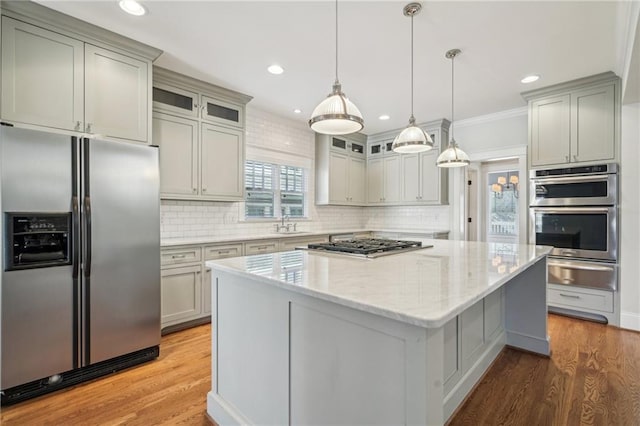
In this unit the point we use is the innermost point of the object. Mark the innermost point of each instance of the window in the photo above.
(271, 197)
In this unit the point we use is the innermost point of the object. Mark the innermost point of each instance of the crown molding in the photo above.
(556, 89)
(53, 20)
(496, 116)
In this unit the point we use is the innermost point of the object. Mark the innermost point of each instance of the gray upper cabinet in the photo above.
(175, 101)
(42, 76)
(73, 81)
(116, 94)
(221, 162)
(340, 170)
(217, 111)
(407, 179)
(202, 147)
(577, 122)
(178, 140)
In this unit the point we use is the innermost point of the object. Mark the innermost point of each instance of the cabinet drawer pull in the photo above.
(570, 296)
(178, 256)
(223, 251)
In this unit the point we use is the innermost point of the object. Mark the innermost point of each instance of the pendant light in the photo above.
(336, 115)
(453, 156)
(412, 138)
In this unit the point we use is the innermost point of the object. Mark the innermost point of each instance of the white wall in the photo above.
(630, 218)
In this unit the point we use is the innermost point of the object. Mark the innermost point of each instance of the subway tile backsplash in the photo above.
(186, 219)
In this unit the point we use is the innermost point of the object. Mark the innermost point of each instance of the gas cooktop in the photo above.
(368, 247)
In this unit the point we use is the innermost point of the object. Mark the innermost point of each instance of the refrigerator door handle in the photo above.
(75, 215)
(87, 210)
(75, 209)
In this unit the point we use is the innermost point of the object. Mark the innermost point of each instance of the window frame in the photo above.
(277, 169)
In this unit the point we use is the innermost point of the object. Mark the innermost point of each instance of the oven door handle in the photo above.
(571, 179)
(594, 268)
(572, 209)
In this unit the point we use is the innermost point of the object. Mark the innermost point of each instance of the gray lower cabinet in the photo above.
(181, 294)
(261, 247)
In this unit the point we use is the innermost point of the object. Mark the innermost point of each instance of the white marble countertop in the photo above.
(174, 242)
(425, 287)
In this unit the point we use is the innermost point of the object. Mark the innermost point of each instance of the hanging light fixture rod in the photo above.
(451, 54)
(453, 156)
(412, 139)
(336, 115)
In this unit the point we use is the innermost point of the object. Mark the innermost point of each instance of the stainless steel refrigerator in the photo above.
(81, 259)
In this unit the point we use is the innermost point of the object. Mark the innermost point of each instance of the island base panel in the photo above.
(526, 310)
(286, 357)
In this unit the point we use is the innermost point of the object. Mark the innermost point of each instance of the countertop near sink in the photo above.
(171, 242)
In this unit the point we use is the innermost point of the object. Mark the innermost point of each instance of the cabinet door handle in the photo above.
(566, 158)
(77, 125)
(204, 189)
(195, 190)
(570, 296)
(575, 158)
(88, 127)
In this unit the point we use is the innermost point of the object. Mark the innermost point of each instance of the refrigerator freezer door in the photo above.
(123, 230)
(37, 304)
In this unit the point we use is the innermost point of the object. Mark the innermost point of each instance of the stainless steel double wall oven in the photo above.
(575, 210)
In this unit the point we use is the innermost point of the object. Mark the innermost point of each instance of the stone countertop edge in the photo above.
(189, 241)
(435, 322)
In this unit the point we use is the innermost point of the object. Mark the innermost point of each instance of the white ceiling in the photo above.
(232, 43)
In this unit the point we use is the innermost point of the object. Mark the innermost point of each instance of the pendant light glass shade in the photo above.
(336, 115)
(453, 156)
(412, 139)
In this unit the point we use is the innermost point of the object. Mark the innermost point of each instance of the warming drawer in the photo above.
(581, 273)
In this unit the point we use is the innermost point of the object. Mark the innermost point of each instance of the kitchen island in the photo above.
(303, 337)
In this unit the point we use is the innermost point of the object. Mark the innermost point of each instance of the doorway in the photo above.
(495, 196)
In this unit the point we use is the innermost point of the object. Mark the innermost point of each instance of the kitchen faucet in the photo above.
(287, 226)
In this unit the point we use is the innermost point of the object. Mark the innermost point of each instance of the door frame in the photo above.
(459, 197)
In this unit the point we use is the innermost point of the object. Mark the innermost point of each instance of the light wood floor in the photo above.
(592, 378)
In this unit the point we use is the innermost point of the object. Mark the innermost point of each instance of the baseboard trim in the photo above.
(529, 343)
(630, 321)
(184, 325)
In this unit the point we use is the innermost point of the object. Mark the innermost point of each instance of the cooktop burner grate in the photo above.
(366, 246)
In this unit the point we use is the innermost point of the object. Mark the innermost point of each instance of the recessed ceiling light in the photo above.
(297, 111)
(530, 78)
(132, 7)
(384, 117)
(275, 69)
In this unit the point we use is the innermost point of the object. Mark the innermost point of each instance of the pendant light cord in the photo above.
(337, 42)
(452, 99)
(412, 65)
